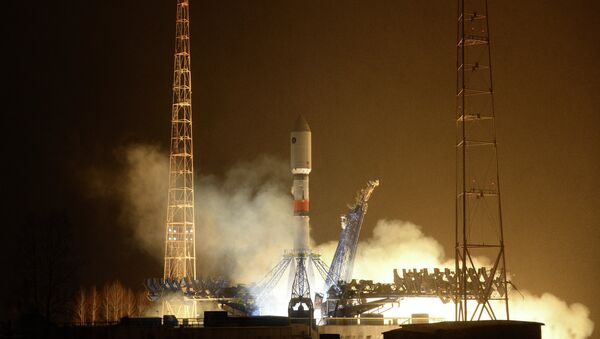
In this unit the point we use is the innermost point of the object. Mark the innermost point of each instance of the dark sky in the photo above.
(374, 79)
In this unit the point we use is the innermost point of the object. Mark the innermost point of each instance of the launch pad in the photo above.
(297, 264)
(477, 210)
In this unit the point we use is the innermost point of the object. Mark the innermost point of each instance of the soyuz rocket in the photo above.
(300, 165)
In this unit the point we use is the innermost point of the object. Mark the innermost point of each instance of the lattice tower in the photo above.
(180, 252)
(479, 231)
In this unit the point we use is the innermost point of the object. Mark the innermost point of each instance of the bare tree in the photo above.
(112, 303)
(129, 303)
(116, 293)
(81, 307)
(106, 302)
(93, 305)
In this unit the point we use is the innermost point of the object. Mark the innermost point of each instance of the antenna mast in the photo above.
(479, 230)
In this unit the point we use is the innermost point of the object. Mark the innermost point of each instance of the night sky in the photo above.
(376, 82)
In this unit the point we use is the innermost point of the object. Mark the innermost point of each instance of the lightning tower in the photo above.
(479, 290)
(180, 252)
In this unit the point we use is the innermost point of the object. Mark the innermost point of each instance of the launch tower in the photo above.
(478, 228)
(180, 252)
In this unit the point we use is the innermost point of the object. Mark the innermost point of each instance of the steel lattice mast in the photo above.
(478, 212)
(180, 252)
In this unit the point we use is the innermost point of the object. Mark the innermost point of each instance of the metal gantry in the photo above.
(297, 264)
(300, 300)
(180, 253)
(478, 230)
(343, 259)
(354, 297)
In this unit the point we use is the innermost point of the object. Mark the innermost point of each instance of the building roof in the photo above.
(469, 329)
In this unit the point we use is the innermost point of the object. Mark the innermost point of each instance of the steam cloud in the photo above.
(241, 219)
(242, 228)
(144, 194)
(393, 244)
(561, 319)
(399, 244)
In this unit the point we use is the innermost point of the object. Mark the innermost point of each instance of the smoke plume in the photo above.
(242, 218)
(393, 244)
(561, 319)
(144, 195)
(399, 244)
(243, 225)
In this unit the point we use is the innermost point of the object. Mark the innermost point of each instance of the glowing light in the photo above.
(434, 307)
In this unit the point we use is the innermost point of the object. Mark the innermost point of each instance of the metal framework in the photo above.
(180, 255)
(478, 230)
(180, 252)
(241, 298)
(300, 300)
(353, 298)
(343, 260)
(347, 299)
(296, 263)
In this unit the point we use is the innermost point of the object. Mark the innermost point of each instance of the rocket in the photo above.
(300, 165)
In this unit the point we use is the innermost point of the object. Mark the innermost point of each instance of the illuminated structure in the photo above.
(300, 165)
(478, 213)
(478, 227)
(301, 256)
(342, 263)
(180, 252)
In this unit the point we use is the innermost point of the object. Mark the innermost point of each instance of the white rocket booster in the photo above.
(300, 141)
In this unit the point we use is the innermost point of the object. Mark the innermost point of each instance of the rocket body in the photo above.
(300, 165)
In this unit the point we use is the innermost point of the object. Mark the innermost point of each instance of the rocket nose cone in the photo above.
(301, 125)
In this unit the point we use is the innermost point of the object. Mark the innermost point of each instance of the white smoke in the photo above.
(399, 244)
(144, 192)
(242, 219)
(243, 225)
(562, 321)
(393, 244)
